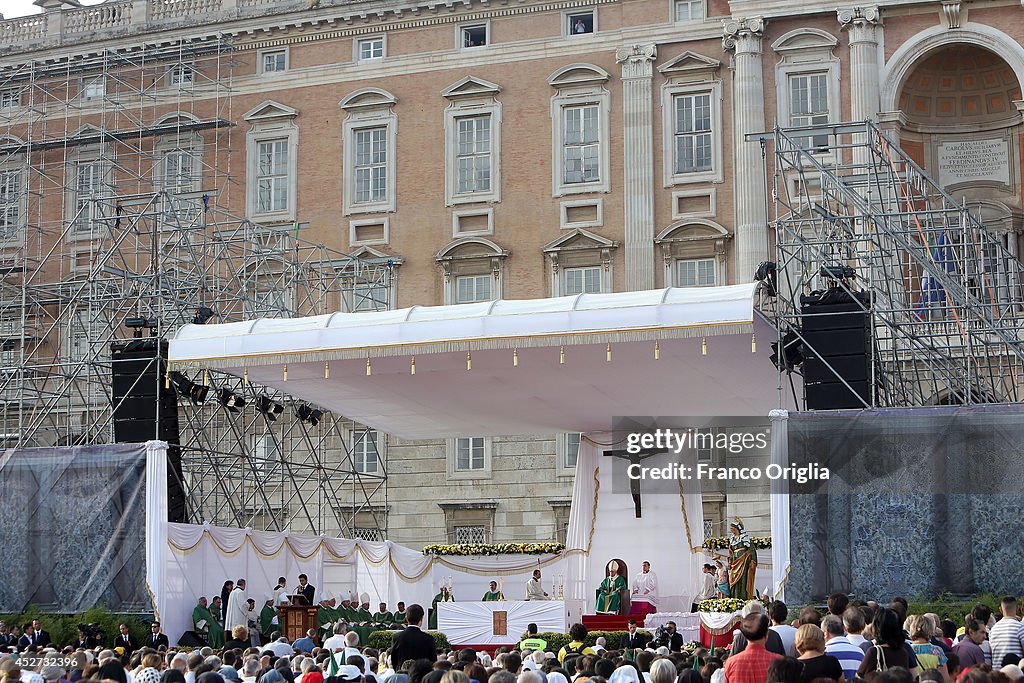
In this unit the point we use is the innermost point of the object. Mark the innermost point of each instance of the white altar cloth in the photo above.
(687, 623)
(471, 623)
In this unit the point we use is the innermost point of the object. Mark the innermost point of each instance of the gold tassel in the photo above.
(608, 353)
(469, 360)
(369, 368)
(704, 346)
(412, 366)
(753, 343)
(245, 377)
(515, 358)
(657, 349)
(327, 370)
(286, 372)
(167, 380)
(206, 378)
(561, 355)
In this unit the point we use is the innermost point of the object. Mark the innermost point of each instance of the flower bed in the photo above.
(722, 543)
(494, 549)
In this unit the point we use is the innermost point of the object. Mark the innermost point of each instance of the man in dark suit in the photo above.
(125, 640)
(156, 639)
(305, 589)
(6, 639)
(412, 643)
(27, 637)
(632, 639)
(42, 638)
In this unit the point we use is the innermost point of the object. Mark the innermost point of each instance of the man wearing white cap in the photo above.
(268, 616)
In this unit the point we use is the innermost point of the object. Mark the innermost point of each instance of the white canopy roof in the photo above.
(537, 366)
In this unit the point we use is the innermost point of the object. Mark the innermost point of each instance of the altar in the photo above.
(498, 623)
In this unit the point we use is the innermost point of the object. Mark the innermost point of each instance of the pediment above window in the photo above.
(579, 240)
(368, 98)
(270, 111)
(806, 40)
(471, 86)
(471, 248)
(371, 254)
(690, 64)
(692, 230)
(578, 75)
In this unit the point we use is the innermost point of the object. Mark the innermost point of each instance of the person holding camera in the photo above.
(669, 637)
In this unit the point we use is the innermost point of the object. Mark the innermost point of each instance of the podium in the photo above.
(295, 620)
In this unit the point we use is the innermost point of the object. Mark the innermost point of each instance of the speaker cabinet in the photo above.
(837, 331)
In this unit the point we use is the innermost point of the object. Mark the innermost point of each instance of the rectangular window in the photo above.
(696, 272)
(10, 98)
(368, 534)
(10, 204)
(474, 36)
(94, 88)
(705, 443)
(369, 297)
(87, 337)
(371, 171)
(473, 156)
(572, 449)
(371, 48)
(469, 534)
(583, 280)
(472, 288)
(581, 144)
(89, 178)
(689, 10)
(182, 74)
(364, 451)
(693, 133)
(266, 454)
(580, 23)
(272, 176)
(808, 106)
(179, 170)
(274, 61)
(469, 453)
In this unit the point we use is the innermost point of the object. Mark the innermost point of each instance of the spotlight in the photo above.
(137, 323)
(230, 400)
(203, 314)
(308, 414)
(268, 407)
(196, 393)
(838, 271)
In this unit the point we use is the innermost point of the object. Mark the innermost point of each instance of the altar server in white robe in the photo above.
(534, 589)
(238, 607)
(645, 591)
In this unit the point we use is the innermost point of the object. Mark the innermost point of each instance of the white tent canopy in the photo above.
(509, 367)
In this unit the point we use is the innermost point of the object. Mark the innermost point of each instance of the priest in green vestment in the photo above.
(202, 621)
(398, 618)
(493, 595)
(267, 615)
(326, 615)
(363, 615)
(346, 612)
(215, 639)
(608, 595)
(382, 617)
(444, 596)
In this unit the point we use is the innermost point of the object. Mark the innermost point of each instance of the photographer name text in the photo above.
(705, 472)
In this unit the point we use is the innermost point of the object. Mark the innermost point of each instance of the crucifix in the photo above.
(634, 484)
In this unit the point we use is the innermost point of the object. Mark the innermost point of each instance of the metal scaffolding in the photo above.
(856, 216)
(114, 171)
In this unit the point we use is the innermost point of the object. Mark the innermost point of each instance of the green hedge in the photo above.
(949, 607)
(63, 628)
(381, 640)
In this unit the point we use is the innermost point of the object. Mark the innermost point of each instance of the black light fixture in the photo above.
(792, 352)
(269, 407)
(138, 324)
(308, 414)
(203, 315)
(230, 400)
(196, 393)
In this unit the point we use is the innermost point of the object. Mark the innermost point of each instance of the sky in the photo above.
(19, 8)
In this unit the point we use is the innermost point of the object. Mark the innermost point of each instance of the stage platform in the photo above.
(611, 622)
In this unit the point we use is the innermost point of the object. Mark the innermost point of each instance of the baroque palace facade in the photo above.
(530, 148)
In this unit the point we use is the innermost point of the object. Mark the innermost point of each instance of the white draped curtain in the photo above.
(780, 504)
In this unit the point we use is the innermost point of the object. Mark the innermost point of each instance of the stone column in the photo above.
(743, 37)
(861, 24)
(638, 162)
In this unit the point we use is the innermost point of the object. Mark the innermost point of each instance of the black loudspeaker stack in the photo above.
(837, 331)
(146, 409)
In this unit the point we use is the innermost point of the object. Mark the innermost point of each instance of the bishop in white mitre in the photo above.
(644, 599)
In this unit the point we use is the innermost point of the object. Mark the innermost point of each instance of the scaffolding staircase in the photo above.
(859, 221)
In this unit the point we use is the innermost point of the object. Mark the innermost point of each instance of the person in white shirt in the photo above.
(280, 645)
(250, 670)
(281, 592)
(238, 607)
(534, 590)
(337, 641)
(853, 620)
(708, 589)
(778, 613)
(645, 589)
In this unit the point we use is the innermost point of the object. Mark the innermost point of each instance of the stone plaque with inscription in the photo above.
(973, 161)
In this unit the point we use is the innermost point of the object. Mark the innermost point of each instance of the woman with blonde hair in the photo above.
(810, 644)
(929, 656)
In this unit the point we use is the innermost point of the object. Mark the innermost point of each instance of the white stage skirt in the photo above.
(473, 623)
(687, 623)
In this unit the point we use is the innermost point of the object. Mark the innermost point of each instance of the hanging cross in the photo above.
(634, 484)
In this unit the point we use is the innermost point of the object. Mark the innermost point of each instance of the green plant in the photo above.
(381, 640)
(949, 607)
(556, 641)
(63, 628)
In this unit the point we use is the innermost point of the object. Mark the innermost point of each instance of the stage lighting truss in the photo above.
(308, 414)
(230, 400)
(196, 393)
(269, 407)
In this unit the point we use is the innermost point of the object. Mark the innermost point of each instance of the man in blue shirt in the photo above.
(306, 645)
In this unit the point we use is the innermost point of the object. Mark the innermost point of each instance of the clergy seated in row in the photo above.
(493, 594)
(206, 622)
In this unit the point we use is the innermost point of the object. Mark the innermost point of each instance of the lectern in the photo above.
(297, 617)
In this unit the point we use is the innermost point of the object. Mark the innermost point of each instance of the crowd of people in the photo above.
(853, 641)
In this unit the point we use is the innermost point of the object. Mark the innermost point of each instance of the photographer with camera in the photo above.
(667, 636)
